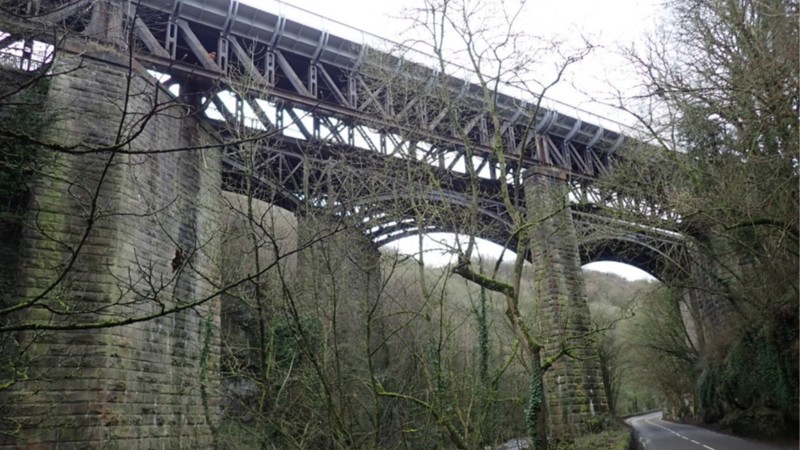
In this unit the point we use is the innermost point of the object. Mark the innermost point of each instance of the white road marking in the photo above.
(676, 433)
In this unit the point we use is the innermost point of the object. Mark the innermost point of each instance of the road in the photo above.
(657, 434)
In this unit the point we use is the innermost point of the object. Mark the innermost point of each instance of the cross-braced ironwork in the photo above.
(324, 102)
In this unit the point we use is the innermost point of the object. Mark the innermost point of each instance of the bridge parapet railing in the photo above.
(343, 45)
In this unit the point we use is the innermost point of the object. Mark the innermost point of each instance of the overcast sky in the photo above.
(609, 25)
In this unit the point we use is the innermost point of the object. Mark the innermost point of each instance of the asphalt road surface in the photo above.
(657, 434)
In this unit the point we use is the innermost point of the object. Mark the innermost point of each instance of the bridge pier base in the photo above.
(573, 385)
(109, 345)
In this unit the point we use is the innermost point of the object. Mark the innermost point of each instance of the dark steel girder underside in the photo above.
(325, 89)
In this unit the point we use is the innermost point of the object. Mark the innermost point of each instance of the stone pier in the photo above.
(573, 386)
(116, 232)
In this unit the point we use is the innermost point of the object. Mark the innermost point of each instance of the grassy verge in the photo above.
(617, 438)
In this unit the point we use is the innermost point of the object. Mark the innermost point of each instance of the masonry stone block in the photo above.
(573, 387)
(97, 245)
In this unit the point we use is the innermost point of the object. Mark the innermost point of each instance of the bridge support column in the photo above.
(339, 284)
(107, 22)
(573, 385)
(111, 342)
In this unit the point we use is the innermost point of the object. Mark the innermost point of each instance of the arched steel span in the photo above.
(662, 261)
(655, 253)
(387, 217)
(384, 197)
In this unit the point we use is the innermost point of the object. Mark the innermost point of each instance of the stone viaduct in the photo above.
(122, 221)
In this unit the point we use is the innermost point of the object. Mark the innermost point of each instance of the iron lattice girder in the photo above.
(657, 251)
(306, 71)
(327, 73)
(388, 208)
(371, 109)
(376, 189)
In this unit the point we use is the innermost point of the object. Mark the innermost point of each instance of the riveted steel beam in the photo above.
(579, 159)
(146, 36)
(333, 86)
(596, 138)
(201, 53)
(247, 63)
(223, 45)
(291, 75)
(171, 39)
(298, 122)
(270, 68)
(260, 114)
(372, 97)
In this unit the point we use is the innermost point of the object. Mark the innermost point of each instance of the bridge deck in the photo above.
(308, 90)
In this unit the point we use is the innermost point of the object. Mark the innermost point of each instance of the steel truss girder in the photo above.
(321, 53)
(368, 99)
(302, 91)
(387, 212)
(342, 100)
(432, 153)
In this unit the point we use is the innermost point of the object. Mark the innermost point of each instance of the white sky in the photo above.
(609, 25)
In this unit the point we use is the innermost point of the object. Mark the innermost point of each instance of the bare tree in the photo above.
(720, 106)
(452, 126)
(113, 218)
